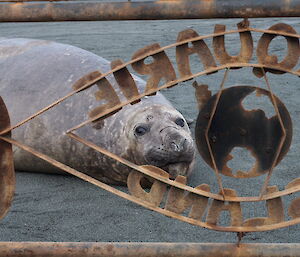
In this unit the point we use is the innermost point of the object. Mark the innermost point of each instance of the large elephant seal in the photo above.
(35, 73)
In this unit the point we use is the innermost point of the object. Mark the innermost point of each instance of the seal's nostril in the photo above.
(175, 147)
(184, 143)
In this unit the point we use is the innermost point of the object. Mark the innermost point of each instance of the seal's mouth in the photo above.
(177, 169)
(173, 151)
(174, 162)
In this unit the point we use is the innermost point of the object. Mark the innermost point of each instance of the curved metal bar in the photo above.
(91, 81)
(172, 83)
(211, 116)
(170, 182)
(289, 190)
(148, 173)
(283, 137)
(147, 204)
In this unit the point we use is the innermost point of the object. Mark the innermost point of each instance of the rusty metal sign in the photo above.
(195, 205)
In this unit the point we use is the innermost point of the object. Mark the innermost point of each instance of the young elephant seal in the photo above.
(35, 73)
(150, 134)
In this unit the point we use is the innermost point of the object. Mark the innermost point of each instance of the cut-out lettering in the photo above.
(246, 45)
(290, 60)
(178, 200)
(125, 81)
(184, 51)
(161, 68)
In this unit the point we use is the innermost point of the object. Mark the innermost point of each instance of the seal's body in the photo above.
(35, 73)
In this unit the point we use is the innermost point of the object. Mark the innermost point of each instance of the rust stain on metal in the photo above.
(67, 249)
(179, 201)
(87, 78)
(290, 60)
(105, 92)
(183, 51)
(244, 129)
(125, 80)
(202, 94)
(246, 45)
(24, 10)
(7, 172)
(275, 212)
(160, 68)
(234, 208)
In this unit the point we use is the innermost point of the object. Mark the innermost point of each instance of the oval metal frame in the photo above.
(90, 80)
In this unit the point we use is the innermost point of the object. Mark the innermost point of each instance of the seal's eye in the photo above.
(140, 130)
(180, 122)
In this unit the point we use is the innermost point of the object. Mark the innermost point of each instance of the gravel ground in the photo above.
(64, 208)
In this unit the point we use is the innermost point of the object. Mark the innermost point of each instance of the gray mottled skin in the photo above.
(34, 73)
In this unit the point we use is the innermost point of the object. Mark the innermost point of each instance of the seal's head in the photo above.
(160, 136)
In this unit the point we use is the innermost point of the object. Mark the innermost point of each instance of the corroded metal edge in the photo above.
(66, 249)
(149, 205)
(7, 172)
(149, 10)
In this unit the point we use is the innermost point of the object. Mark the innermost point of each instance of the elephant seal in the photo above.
(35, 73)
